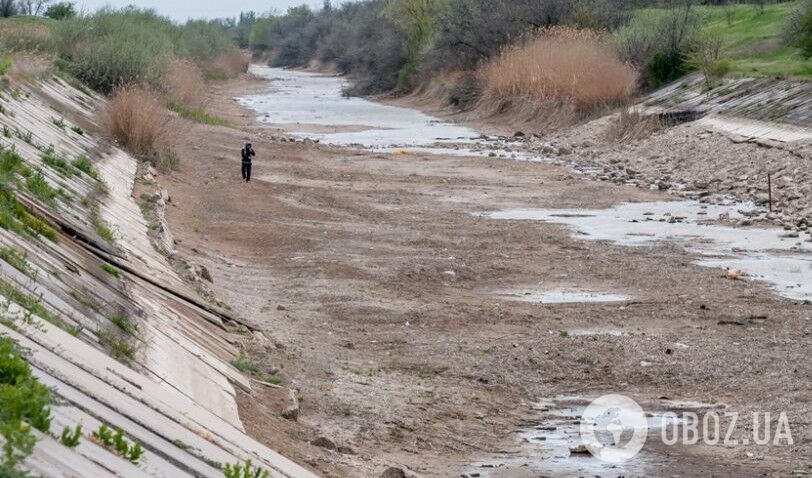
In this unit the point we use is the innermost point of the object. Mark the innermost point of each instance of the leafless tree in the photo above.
(8, 8)
(33, 7)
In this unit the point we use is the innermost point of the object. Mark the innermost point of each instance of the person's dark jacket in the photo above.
(247, 154)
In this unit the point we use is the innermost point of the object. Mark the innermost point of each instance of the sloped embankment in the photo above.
(108, 324)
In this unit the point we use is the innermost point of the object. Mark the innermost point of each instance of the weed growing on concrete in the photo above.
(41, 189)
(71, 437)
(244, 470)
(17, 260)
(84, 165)
(112, 270)
(116, 442)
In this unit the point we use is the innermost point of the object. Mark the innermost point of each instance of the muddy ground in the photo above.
(380, 288)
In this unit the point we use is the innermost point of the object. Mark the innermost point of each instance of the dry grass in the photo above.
(227, 65)
(184, 83)
(632, 124)
(560, 73)
(138, 120)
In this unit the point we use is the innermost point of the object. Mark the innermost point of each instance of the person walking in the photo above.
(247, 153)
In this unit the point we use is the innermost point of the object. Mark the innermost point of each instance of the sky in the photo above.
(182, 10)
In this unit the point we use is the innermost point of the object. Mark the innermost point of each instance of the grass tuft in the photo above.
(197, 115)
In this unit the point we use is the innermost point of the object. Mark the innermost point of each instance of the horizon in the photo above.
(181, 11)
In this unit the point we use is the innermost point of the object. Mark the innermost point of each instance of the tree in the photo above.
(8, 8)
(33, 7)
(61, 11)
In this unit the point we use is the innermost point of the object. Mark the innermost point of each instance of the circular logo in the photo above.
(614, 428)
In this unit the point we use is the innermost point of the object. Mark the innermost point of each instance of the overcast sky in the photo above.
(182, 10)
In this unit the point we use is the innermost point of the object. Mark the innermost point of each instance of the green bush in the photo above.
(666, 67)
(804, 36)
(5, 65)
(24, 404)
(61, 11)
(112, 47)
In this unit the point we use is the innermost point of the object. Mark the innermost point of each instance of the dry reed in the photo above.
(558, 71)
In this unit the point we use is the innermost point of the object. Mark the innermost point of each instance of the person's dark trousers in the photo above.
(246, 171)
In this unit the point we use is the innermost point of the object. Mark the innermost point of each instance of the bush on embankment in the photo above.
(111, 48)
(557, 76)
(138, 119)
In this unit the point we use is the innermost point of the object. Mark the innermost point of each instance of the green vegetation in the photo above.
(197, 115)
(125, 324)
(120, 348)
(84, 165)
(31, 304)
(17, 260)
(111, 47)
(5, 65)
(102, 229)
(14, 217)
(41, 189)
(57, 162)
(243, 364)
(58, 122)
(24, 404)
(61, 11)
(71, 437)
(117, 443)
(244, 470)
(113, 271)
(753, 39)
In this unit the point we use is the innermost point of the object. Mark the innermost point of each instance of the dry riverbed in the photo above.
(403, 319)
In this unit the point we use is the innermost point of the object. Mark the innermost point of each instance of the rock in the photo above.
(519, 134)
(204, 274)
(292, 411)
(449, 275)
(734, 274)
(324, 442)
(393, 472)
(281, 308)
(578, 449)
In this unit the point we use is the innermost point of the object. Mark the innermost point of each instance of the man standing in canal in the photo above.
(247, 153)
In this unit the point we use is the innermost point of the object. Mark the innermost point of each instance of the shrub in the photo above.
(184, 83)
(138, 120)
(657, 41)
(803, 37)
(61, 11)
(665, 67)
(115, 47)
(560, 66)
(24, 404)
(227, 64)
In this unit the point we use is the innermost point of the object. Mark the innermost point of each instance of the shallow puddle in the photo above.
(761, 254)
(566, 297)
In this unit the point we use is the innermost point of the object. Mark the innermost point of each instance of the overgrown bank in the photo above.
(144, 61)
(471, 50)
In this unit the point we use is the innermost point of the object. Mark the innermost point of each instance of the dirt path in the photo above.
(384, 294)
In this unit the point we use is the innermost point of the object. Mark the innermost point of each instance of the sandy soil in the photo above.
(345, 258)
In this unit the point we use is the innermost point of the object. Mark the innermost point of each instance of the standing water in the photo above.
(300, 101)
